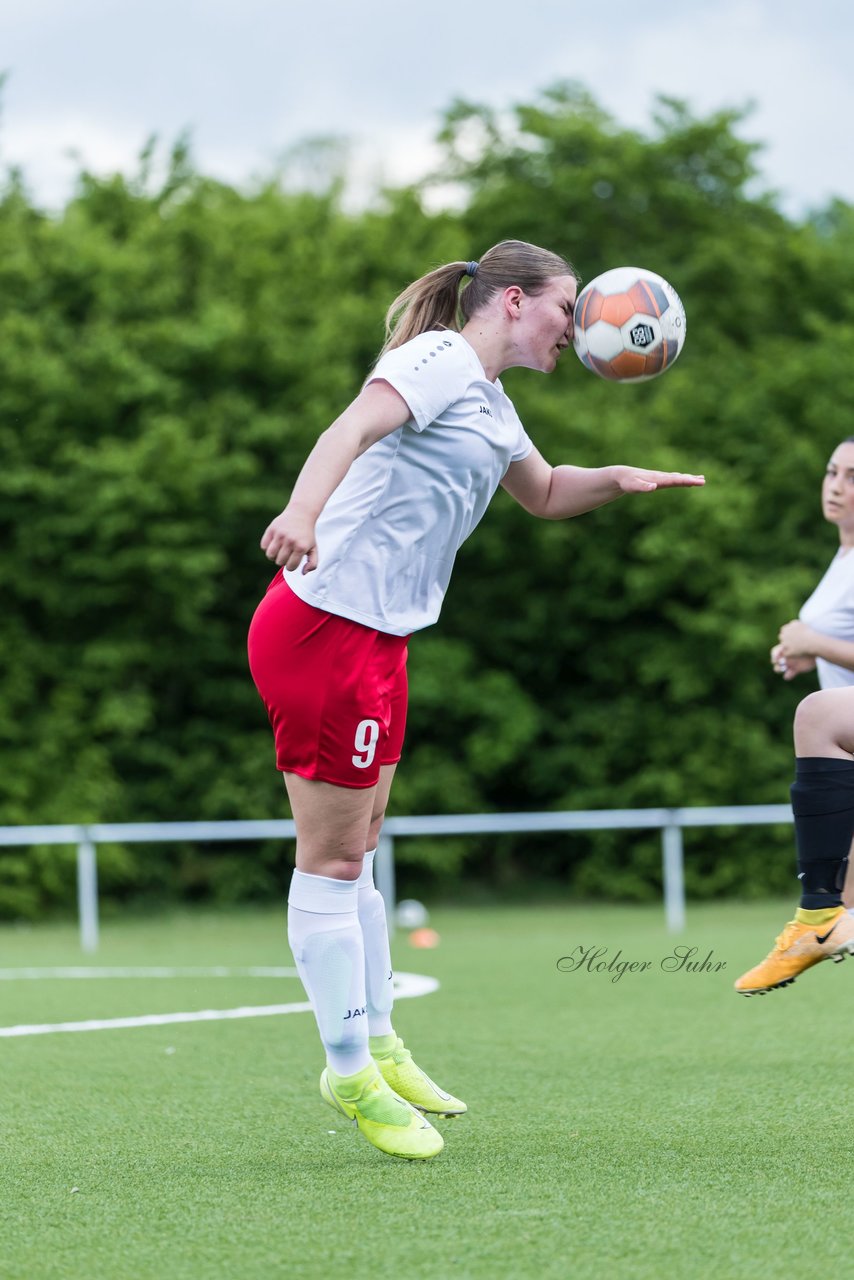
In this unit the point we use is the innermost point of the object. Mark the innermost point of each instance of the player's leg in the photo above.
(823, 808)
(848, 887)
(372, 916)
(824, 727)
(824, 724)
(326, 940)
(386, 1047)
(323, 681)
(323, 922)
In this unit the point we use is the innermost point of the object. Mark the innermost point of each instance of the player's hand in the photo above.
(639, 480)
(790, 667)
(797, 640)
(289, 540)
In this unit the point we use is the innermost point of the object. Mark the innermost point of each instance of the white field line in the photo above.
(80, 972)
(406, 985)
(153, 1020)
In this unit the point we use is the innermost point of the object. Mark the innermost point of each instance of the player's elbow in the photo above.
(534, 504)
(535, 499)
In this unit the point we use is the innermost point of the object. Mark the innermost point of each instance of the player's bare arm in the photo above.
(557, 493)
(376, 412)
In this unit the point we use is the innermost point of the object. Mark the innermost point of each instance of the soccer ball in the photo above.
(411, 914)
(629, 325)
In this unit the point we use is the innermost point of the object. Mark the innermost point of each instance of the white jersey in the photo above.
(388, 535)
(830, 610)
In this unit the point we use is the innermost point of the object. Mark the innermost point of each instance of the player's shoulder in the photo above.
(435, 349)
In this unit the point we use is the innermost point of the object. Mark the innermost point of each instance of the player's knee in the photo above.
(346, 868)
(811, 724)
(336, 866)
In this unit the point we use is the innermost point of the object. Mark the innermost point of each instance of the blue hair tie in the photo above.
(471, 268)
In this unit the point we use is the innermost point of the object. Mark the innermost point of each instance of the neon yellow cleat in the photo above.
(410, 1082)
(798, 948)
(387, 1121)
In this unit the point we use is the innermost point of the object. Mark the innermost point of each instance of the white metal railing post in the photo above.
(384, 875)
(674, 876)
(87, 891)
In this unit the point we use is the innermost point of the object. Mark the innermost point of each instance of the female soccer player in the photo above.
(823, 807)
(821, 639)
(366, 546)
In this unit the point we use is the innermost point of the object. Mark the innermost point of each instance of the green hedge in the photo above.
(169, 354)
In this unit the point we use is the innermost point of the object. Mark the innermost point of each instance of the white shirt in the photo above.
(388, 535)
(830, 610)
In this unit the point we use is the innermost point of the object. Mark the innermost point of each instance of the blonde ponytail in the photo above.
(436, 301)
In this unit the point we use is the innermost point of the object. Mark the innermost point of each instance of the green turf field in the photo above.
(657, 1126)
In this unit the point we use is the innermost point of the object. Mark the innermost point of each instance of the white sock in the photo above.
(378, 972)
(326, 940)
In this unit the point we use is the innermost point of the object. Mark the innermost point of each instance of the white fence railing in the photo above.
(670, 822)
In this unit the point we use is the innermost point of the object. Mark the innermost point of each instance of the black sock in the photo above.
(823, 806)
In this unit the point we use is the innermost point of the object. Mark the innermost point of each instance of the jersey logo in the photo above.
(484, 409)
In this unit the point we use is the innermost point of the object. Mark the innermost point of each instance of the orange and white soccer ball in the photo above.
(629, 325)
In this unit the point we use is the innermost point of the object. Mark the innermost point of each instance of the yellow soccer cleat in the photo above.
(410, 1082)
(798, 948)
(387, 1121)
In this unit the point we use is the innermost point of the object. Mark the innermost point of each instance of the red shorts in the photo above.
(335, 691)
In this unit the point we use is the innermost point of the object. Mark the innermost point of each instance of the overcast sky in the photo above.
(250, 78)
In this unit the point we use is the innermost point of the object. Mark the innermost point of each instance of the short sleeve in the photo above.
(523, 447)
(430, 372)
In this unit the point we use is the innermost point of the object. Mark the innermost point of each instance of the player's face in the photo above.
(548, 324)
(837, 490)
